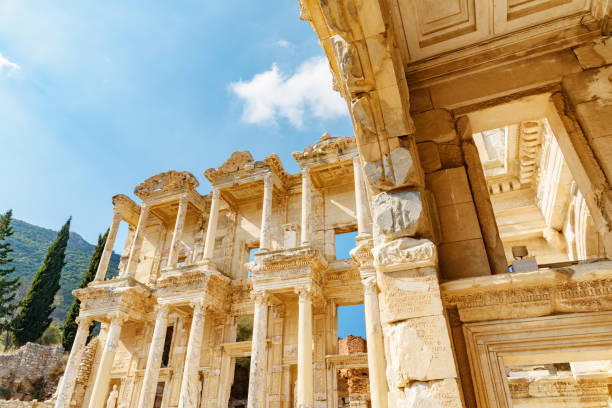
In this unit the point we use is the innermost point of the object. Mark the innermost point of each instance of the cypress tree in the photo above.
(34, 316)
(70, 325)
(8, 285)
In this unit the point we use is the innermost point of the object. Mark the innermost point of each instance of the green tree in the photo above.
(8, 285)
(70, 325)
(33, 317)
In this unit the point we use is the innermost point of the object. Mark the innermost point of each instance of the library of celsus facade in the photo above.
(478, 184)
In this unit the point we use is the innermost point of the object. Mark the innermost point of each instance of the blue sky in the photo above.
(97, 96)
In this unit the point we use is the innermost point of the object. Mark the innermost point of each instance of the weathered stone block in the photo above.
(459, 222)
(429, 156)
(595, 117)
(434, 394)
(436, 125)
(418, 350)
(449, 186)
(403, 214)
(602, 147)
(450, 155)
(420, 101)
(402, 253)
(541, 69)
(590, 85)
(408, 294)
(405, 171)
(463, 259)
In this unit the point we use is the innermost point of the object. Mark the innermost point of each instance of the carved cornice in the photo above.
(129, 210)
(242, 165)
(211, 283)
(289, 259)
(327, 146)
(164, 183)
(276, 166)
(532, 294)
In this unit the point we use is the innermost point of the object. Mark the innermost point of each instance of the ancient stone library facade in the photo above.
(479, 187)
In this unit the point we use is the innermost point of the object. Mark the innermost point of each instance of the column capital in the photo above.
(118, 318)
(305, 171)
(362, 253)
(199, 306)
(183, 199)
(84, 320)
(267, 178)
(260, 297)
(216, 193)
(307, 292)
(370, 286)
(162, 310)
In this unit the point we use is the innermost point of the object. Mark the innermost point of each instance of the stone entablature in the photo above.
(579, 288)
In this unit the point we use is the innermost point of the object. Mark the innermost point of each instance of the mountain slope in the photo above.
(30, 244)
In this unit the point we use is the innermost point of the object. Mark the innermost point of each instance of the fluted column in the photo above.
(189, 384)
(66, 386)
(178, 232)
(100, 388)
(266, 214)
(108, 246)
(211, 231)
(362, 208)
(156, 351)
(306, 208)
(305, 397)
(257, 375)
(130, 270)
(376, 351)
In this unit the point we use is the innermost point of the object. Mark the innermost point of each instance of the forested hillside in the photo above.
(30, 244)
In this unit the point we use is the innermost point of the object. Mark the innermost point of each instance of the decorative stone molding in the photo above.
(164, 183)
(129, 210)
(326, 148)
(362, 254)
(495, 345)
(405, 253)
(577, 289)
(260, 297)
(289, 262)
(370, 287)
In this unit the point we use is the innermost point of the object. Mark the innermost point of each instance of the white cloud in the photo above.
(284, 44)
(272, 94)
(5, 63)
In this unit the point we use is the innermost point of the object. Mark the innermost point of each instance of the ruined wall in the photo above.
(33, 369)
(352, 344)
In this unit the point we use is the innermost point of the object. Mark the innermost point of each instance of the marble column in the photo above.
(266, 214)
(133, 260)
(362, 208)
(211, 231)
(108, 246)
(178, 232)
(306, 208)
(100, 387)
(305, 398)
(374, 336)
(156, 351)
(257, 375)
(68, 381)
(189, 383)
